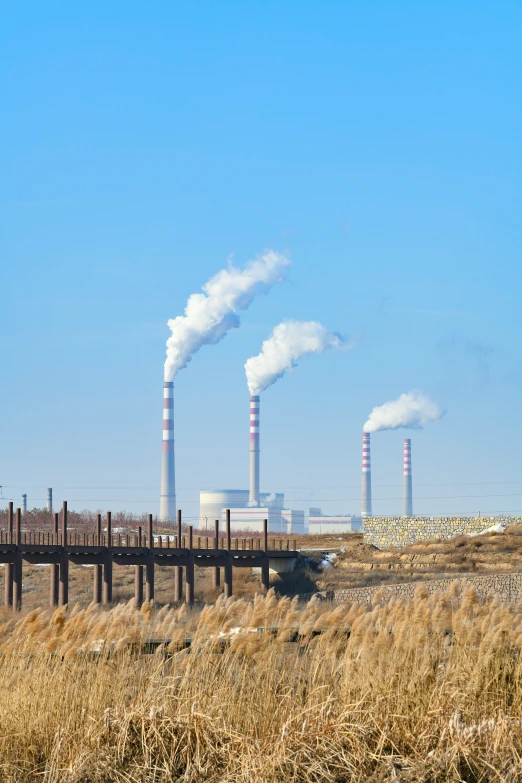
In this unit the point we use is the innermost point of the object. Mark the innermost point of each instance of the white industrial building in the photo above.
(319, 523)
(252, 520)
(292, 521)
(213, 504)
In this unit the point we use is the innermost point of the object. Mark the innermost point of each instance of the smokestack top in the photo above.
(254, 496)
(168, 416)
(407, 456)
(366, 498)
(254, 417)
(366, 463)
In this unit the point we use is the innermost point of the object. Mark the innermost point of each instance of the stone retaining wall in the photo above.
(508, 587)
(386, 532)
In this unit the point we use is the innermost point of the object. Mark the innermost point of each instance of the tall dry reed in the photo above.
(427, 689)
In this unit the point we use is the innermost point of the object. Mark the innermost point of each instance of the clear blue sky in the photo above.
(377, 142)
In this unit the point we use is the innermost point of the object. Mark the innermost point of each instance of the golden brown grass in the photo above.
(361, 564)
(400, 699)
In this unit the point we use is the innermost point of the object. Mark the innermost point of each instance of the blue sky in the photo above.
(377, 143)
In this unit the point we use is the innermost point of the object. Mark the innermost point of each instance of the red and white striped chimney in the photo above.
(407, 495)
(168, 479)
(366, 499)
(254, 449)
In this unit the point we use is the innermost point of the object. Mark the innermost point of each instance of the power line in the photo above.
(326, 486)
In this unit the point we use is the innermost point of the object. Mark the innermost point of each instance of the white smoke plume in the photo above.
(288, 342)
(210, 315)
(412, 410)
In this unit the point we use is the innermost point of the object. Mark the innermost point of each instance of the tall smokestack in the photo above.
(49, 500)
(24, 504)
(366, 501)
(407, 495)
(168, 479)
(254, 449)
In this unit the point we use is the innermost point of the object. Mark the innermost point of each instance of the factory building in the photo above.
(214, 502)
(333, 524)
(292, 522)
(252, 519)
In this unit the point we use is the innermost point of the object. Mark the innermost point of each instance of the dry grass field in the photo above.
(359, 564)
(423, 689)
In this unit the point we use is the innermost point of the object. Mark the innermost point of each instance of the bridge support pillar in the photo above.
(107, 580)
(178, 583)
(17, 582)
(265, 573)
(149, 579)
(138, 585)
(97, 583)
(55, 584)
(228, 579)
(63, 591)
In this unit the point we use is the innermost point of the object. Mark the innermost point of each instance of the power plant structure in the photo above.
(213, 503)
(24, 504)
(168, 476)
(254, 450)
(249, 508)
(366, 496)
(319, 523)
(407, 494)
(49, 504)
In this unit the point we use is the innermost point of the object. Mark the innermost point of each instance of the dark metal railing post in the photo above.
(8, 588)
(17, 565)
(228, 566)
(178, 570)
(63, 597)
(189, 579)
(98, 570)
(216, 573)
(55, 567)
(149, 568)
(107, 564)
(265, 565)
(138, 578)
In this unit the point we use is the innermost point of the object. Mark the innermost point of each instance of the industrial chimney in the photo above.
(24, 503)
(407, 496)
(254, 450)
(49, 500)
(366, 501)
(168, 479)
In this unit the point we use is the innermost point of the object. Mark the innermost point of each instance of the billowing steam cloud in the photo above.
(411, 410)
(210, 315)
(287, 343)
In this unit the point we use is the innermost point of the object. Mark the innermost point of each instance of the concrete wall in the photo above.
(385, 532)
(508, 587)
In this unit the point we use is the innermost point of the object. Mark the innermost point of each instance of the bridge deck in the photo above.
(101, 549)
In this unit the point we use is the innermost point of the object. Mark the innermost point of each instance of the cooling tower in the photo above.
(168, 479)
(254, 450)
(49, 500)
(407, 496)
(366, 499)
